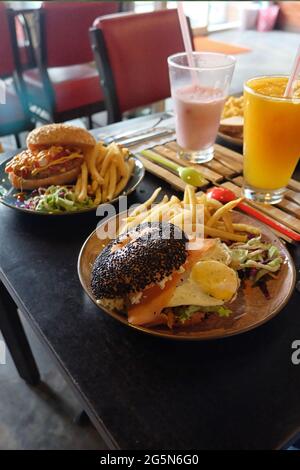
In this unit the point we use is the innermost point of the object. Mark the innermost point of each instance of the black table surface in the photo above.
(143, 392)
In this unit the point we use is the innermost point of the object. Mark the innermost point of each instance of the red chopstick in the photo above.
(265, 219)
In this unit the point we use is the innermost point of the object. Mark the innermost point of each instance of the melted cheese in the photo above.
(56, 162)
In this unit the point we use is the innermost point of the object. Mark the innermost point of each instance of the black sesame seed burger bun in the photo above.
(137, 259)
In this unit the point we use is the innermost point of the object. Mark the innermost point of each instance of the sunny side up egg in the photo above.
(209, 282)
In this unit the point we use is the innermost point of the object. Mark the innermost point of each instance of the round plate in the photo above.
(8, 193)
(250, 309)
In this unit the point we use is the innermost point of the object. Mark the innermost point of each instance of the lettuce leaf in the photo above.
(272, 266)
(185, 312)
(238, 256)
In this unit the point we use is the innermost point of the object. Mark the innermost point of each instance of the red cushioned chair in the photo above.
(14, 113)
(131, 53)
(65, 85)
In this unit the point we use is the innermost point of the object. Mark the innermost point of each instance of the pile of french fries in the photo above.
(217, 218)
(104, 173)
(234, 106)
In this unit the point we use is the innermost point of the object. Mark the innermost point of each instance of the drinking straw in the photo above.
(186, 38)
(294, 74)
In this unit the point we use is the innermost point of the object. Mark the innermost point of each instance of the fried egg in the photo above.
(209, 282)
(215, 279)
(190, 293)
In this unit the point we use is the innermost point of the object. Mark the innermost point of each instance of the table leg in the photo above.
(15, 338)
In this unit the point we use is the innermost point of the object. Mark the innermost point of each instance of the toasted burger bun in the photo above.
(59, 134)
(63, 178)
(140, 258)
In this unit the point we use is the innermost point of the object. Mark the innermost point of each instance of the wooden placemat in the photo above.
(226, 169)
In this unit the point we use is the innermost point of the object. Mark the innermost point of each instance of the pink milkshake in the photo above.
(198, 113)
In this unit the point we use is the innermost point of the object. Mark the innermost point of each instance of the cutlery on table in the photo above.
(144, 131)
(160, 132)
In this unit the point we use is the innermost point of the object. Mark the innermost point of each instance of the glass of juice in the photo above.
(199, 93)
(271, 137)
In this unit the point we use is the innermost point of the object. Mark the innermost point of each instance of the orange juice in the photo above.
(271, 133)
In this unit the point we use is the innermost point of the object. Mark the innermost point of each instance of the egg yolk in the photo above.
(215, 279)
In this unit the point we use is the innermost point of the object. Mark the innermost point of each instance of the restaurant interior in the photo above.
(186, 110)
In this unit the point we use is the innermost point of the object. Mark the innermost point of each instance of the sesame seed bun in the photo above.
(59, 134)
(140, 258)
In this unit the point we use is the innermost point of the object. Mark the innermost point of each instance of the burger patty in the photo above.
(140, 258)
(52, 170)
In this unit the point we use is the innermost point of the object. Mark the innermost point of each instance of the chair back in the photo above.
(7, 64)
(64, 30)
(131, 53)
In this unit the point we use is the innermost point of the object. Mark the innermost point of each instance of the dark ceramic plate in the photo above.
(8, 193)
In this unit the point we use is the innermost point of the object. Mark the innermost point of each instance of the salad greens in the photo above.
(257, 258)
(185, 312)
(56, 199)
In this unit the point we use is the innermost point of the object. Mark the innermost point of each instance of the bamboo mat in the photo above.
(226, 169)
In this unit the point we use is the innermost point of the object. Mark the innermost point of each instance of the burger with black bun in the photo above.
(150, 275)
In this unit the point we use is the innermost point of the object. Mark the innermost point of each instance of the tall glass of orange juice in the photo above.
(271, 137)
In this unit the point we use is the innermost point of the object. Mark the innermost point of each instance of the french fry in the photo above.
(94, 186)
(99, 160)
(131, 164)
(146, 204)
(224, 235)
(228, 222)
(125, 152)
(157, 213)
(154, 214)
(182, 219)
(84, 178)
(97, 199)
(111, 150)
(207, 214)
(213, 203)
(201, 199)
(105, 187)
(112, 181)
(192, 202)
(121, 184)
(246, 228)
(137, 220)
(78, 186)
(92, 164)
(186, 198)
(222, 210)
(147, 213)
(120, 163)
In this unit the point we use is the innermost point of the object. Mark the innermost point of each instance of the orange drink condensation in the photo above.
(271, 137)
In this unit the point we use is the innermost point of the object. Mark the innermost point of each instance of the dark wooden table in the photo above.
(142, 392)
